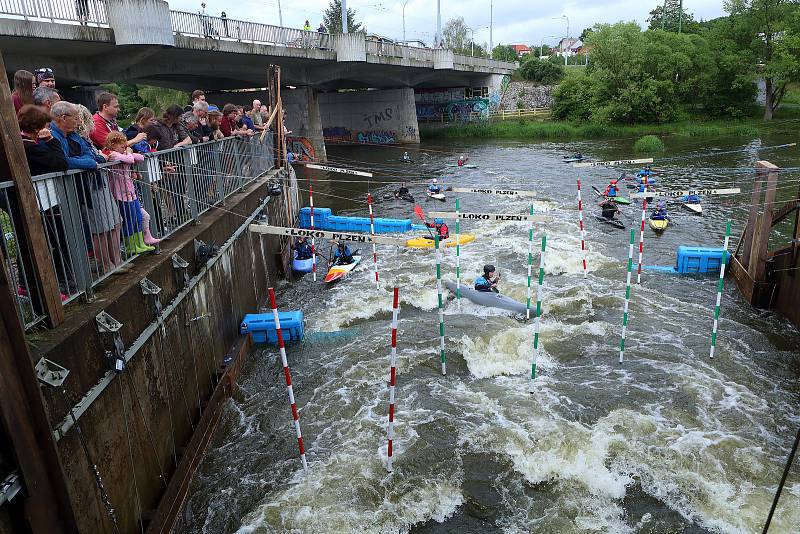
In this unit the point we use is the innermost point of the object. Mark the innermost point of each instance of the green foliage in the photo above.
(129, 100)
(160, 98)
(504, 53)
(544, 72)
(673, 20)
(455, 35)
(648, 145)
(332, 19)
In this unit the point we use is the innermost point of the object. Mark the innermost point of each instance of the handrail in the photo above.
(83, 12)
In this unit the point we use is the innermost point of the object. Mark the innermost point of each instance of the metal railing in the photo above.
(95, 220)
(196, 25)
(83, 12)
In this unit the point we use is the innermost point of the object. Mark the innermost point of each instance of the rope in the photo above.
(136, 397)
(138, 503)
(169, 391)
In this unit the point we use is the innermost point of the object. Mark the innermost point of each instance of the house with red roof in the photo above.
(521, 50)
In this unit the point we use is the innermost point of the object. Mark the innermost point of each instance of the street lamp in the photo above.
(404, 22)
(562, 44)
(472, 30)
(541, 45)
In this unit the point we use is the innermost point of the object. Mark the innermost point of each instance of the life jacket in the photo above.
(303, 250)
(347, 257)
(609, 209)
(441, 229)
(434, 188)
(461, 163)
(611, 190)
(482, 284)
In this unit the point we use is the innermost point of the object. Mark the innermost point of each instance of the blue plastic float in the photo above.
(692, 260)
(262, 326)
(325, 220)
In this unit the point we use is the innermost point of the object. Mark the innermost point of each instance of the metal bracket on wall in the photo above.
(149, 288)
(181, 267)
(9, 487)
(108, 325)
(50, 373)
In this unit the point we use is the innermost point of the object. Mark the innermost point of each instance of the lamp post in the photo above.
(562, 45)
(491, 26)
(472, 31)
(541, 45)
(404, 22)
(344, 16)
(439, 23)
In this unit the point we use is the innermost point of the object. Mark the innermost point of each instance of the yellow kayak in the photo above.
(659, 225)
(427, 242)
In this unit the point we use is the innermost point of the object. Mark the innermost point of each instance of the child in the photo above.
(124, 191)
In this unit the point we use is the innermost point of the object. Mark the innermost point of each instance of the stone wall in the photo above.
(527, 95)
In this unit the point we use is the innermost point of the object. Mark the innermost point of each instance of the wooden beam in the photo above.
(14, 164)
(47, 507)
(779, 214)
(749, 231)
(765, 226)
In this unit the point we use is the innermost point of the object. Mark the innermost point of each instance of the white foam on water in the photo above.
(506, 352)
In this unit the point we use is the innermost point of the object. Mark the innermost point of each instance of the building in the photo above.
(521, 50)
(568, 46)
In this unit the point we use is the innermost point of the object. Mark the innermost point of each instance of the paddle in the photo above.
(421, 216)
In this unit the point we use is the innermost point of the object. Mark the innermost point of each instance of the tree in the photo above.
(129, 100)
(584, 34)
(670, 20)
(545, 50)
(333, 19)
(504, 53)
(455, 36)
(544, 72)
(774, 26)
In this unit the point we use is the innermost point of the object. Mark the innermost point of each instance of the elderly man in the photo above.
(45, 97)
(64, 128)
(45, 77)
(256, 117)
(195, 122)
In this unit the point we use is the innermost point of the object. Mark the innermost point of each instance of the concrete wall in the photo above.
(304, 121)
(375, 117)
(168, 377)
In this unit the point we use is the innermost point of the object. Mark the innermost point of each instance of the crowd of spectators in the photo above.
(58, 135)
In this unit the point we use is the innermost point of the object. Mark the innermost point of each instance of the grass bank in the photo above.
(554, 130)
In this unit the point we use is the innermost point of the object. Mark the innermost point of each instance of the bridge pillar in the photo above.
(126, 18)
(384, 116)
(303, 119)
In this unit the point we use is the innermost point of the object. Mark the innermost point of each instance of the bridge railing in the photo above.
(88, 230)
(196, 25)
(75, 11)
(382, 48)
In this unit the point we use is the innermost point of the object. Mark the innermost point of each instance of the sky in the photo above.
(514, 21)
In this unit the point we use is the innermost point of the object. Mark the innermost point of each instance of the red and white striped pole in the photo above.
(392, 375)
(641, 234)
(313, 247)
(288, 376)
(372, 233)
(583, 230)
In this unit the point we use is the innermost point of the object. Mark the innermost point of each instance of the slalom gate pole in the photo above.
(530, 264)
(719, 290)
(441, 304)
(627, 300)
(392, 377)
(583, 230)
(538, 313)
(313, 244)
(458, 258)
(287, 375)
(372, 233)
(641, 236)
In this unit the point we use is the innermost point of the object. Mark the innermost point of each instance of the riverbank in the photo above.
(549, 130)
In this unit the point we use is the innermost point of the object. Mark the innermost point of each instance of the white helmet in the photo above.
(434, 180)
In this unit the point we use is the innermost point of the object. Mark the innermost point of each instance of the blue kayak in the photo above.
(302, 266)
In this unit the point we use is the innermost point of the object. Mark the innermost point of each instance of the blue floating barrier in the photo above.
(698, 259)
(262, 325)
(325, 220)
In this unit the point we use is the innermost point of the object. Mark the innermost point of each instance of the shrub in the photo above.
(544, 72)
(571, 100)
(648, 144)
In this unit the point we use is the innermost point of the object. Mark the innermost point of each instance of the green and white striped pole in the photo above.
(627, 300)
(538, 311)
(441, 304)
(458, 258)
(719, 289)
(530, 263)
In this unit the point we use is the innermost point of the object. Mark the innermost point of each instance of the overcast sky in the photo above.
(514, 21)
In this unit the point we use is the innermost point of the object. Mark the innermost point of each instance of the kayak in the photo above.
(338, 272)
(427, 242)
(436, 196)
(465, 166)
(488, 298)
(572, 160)
(694, 207)
(302, 266)
(406, 197)
(613, 222)
(617, 199)
(659, 225)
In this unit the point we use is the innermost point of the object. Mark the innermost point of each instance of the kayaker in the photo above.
(691, 199)
(462, 160)
(488, 281)
(612, 189)
(303, 248)
(434, 188)
(401, 191)
(660, 213)
(406, 157)
(441, 228)
(342, 255)
(610, 209)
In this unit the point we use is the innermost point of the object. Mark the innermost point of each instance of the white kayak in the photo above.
(436, 196)
(694, 207)
(488, 298)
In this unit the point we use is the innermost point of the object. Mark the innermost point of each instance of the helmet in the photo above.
(613, 180)
(661, 204)
(434, 180)
(438, 221)
(488, 268)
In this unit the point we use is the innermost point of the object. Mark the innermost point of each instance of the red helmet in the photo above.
(613, 180)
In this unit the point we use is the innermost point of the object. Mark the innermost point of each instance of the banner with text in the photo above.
(324, 234)
(340, 170)
(489, 216)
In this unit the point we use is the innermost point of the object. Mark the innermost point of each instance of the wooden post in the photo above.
(13, 163)
(22, 414)
(761, 239)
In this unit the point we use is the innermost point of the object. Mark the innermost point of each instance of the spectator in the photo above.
(227, 123)
(321, 28)
(213, 120)
(197, 96)
(307, 26)
(23, 89)
(200, 132)
(82, 7)
(45, 97)
(144, 117)
(45, 77)
(100, 211)
(265, 114)
(42, 150)
(224, 18)
(105, 120)
(123, 189)
(167, 132)
(286, 131)
(247, 121)
(256, 117)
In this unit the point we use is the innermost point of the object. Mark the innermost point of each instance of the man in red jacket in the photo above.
(105, 121)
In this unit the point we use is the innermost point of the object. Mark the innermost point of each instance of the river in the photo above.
(669, 441)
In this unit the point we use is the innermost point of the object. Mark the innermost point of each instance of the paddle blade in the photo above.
(419, 213)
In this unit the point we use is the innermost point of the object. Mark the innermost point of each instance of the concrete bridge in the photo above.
(108, 41)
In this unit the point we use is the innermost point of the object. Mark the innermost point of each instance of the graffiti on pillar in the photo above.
(337, 134)
(461, 109)
(383, 137)
(375, 119)
(301, 147)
